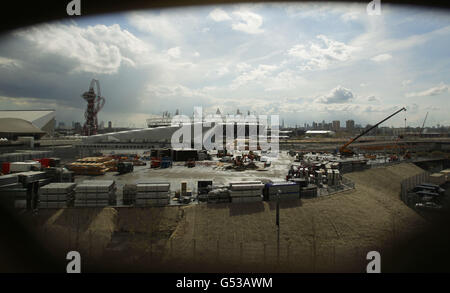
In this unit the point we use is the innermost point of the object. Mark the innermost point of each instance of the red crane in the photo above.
(95, 104)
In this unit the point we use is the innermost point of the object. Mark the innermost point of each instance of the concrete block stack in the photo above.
(56, 195)
(129, 194)
(309, 191)
(288, 191)
(11, 190)
(95, 193)
(153, 194)
(246, 191)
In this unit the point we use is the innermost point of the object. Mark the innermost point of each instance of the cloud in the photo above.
(253, 75)
(381, 57)
(9, 63)
(94, 49)
(372, 99)
(248, 22)
(406, 82)
(241, 20)
(319, 55)
(434, 91)
(219, 15)
(174, 52)
(338, 95)
(158, 25)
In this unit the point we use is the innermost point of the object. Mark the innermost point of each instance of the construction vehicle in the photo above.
(125, 167)
(344, 150)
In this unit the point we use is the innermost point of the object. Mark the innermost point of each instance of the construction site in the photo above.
(129, 201)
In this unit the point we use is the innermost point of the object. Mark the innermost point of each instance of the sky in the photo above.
(303, 62)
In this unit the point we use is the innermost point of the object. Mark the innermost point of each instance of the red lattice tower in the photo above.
(95, 103)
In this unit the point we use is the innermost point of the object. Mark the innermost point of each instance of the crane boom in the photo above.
(343, 148)
(423, 124)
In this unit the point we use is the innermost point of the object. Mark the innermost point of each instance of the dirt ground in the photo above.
(326, 234)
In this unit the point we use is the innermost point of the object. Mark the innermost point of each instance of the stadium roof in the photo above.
(39, 118)
(10, 127)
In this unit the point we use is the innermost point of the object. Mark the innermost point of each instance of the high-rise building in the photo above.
(336, 125)
(350, 124)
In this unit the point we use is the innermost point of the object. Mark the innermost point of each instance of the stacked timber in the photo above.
(152, 194)
(95, 193)
(250, 191)
(56, 195)
(93, 166)
(288, 191)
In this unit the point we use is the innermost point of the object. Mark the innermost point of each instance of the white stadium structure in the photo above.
(44, 120)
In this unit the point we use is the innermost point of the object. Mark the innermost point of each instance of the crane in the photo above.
(423, 124)
(345, 151)
(95, 104)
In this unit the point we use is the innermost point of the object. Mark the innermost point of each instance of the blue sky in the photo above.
(304, 62)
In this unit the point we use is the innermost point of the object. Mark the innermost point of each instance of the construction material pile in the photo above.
(95, 193)
(11, 190)
(129, 194)
(93, 166)
(246, 191)
(56, 195)
(152, 194)
(287, 191)
(218, 195)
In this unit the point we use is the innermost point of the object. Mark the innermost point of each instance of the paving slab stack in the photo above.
(288, 191)
(250, 191)
(129, 194)
(56, 195)
(95, 193)
(152, 194)
(12, 192)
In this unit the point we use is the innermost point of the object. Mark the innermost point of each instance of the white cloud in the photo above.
(338, 95)
(159, 25)
(406, 82)
(319, 55)
(174, 52)
(96, 49)
(248, 22)
(254, 75)
(434, 91)
(9, 63)
(372, 99)
(219, 15)
(381, 57)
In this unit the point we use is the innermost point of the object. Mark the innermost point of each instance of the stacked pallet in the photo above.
(93, 166)
(152, 194)
(56, 195)
(95, 193)
(288, 191)
(250, 191)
